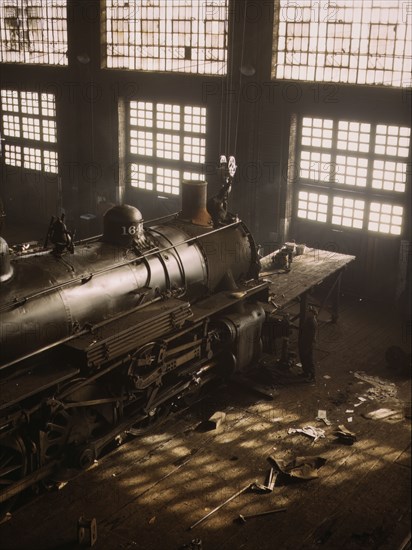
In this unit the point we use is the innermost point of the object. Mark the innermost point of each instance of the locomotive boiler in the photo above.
(111, 335)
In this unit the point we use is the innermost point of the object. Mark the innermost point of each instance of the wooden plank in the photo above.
(307, 271)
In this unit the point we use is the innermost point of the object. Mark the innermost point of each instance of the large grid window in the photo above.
(313, 206)
(349, 41)
(348, 212)
(353, 174)
(175, 35)
(28, 121)
(167, 144)
(33, 31)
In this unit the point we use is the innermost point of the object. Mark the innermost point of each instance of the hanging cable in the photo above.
(229, 83)
(240, 81)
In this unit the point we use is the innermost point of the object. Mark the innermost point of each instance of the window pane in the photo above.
(389, 176)
(392, 140)
(176, 134)
(141, 176)
(350, 41)
(33, 32)
(385, 218)
(351, 170)
(173, 35)
(348, 212)
(353, 136)
(317, 132)
(315, 166)
(312, 206)
(29, 116)
(361, 160)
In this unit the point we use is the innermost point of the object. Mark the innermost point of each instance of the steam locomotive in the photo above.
(111, 335)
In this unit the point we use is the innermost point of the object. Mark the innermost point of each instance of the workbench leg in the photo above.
(302, 310)
(336, 299)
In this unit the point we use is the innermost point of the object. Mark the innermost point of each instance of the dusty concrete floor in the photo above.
(146, 493)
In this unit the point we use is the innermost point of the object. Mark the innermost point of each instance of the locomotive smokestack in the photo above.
(194, 194)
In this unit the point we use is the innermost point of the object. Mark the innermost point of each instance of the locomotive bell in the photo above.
(6, 270)
(123, 225)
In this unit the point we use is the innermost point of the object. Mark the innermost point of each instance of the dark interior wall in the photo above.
(248, 115)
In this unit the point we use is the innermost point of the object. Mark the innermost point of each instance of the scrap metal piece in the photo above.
(195, 544)
(216, 420)
(259, 488)
(383, 413)
(323, 417)
(243, 518)
(271, 479)
(248, 486)
(86, 531)
(345, 435)
(311, 431)
(300, 467)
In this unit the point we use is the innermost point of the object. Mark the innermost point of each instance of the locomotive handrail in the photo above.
(81, 279)
(95, 237)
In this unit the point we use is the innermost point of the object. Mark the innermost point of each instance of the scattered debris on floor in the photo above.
(381, 390)
(216, 420)
(310, 431)
(299, 467)
(243, 490)
(383, 413)
(7, 517)
(195, 544)
(344, 435)
(254, 487)
(323, 417)
(361, 401)
(242, 518)
(86, 532)
(271, 479)
(259, 488)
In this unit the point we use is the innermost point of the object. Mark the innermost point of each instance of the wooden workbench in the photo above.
(306, 272)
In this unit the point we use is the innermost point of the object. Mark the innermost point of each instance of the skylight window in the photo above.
(186, 36)
(348, 41)
(33, 31)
